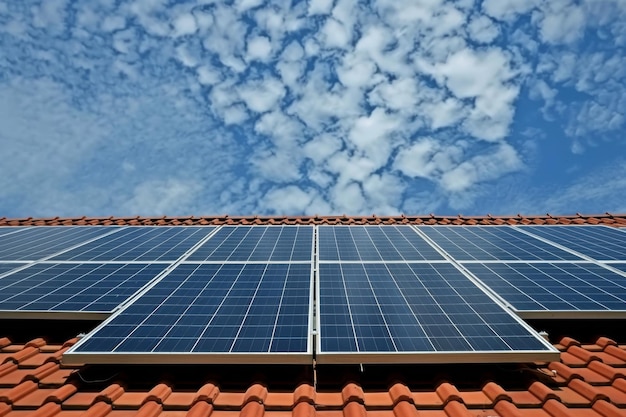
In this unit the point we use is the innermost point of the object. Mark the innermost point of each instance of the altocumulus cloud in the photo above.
(319, 106)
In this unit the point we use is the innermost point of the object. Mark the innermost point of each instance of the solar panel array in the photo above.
(384, 293)
(598, 243)
(387, 295)
(533, 288)
(84, 272)
(246, 293)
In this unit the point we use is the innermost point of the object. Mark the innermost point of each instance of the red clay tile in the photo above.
(352, 392)
(34, 399)
(586, 390)
(180, 400)
(158, 394)
(229, 399)
(607, 409)
(252, 409)
(110, 393)
(58, 377)
(607, 371)
(279, 400)
(47, 410)
(542, 392)
(583, 354)
(427, 399)
(256, 393)
(304, 393)
(616, 352)
(208, 392)
(303, 409)
(200, 409)
(616, 396)
(354, 409)
(448, 392)
(400, 392)
(405, 409)
(150, 409)
(570, 397)
(456, 409)
(19, 391)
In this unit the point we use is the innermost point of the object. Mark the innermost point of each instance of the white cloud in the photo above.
(508, 9)
(482, 29)
(263, 95)
(159, 197)
(320, 6)
(185, 24)
(484, 167)
(259, 48)
(562, 21)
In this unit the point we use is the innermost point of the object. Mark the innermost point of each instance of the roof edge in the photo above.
(609, 219)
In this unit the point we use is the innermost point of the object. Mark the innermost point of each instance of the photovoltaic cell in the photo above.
(206, 309)
(141, 243)
(6, 230)
(6, 267)
(35, 243)
(597, 242)
(554, 286)
(483, 243)
(373, 243)
(91, 287)
(404, 308)
(257, 243)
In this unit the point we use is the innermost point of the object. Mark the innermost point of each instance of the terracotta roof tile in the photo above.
(606, 218)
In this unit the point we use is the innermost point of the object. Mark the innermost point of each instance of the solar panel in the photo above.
(552, 289)
(373, 243)
(247, 313)
(483, 243)
(34, 243)
(415, 312)
(68, 287)
(597, 242)
(257, 244)
(6, 267)
(141, 243)
(6, 230)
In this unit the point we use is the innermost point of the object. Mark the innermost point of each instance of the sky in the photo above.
(155, 107)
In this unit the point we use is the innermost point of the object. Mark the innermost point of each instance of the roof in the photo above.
(589, 380)
(609, 219)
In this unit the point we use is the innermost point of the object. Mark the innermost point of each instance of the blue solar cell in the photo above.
(373, 243)
(406, 308)
(35, 243)
(73, 287)
(554, 286)
(484, 243)
(4, 230)
(597, 242)
(141, 243)
(6, 267)
(258, 243)
(215, 308)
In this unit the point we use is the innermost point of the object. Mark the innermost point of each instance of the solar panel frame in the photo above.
(607, 305)
(484, 253)
(586, 249)
(74, 355)
(336, 357)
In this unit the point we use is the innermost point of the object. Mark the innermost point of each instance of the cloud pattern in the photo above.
(322, 106)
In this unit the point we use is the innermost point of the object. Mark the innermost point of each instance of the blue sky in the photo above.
(153, 107)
